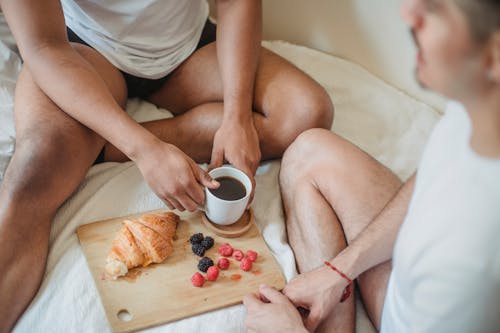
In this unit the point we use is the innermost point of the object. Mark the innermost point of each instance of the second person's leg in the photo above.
(331, 190)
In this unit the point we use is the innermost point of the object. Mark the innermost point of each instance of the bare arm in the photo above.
(375, 243)
(321, 289)
(73, 84)
(65, 76)
(239, 33)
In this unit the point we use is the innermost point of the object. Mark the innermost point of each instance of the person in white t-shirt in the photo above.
(233, 101)
(425, 253)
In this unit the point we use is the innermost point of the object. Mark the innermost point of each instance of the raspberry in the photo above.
(204, 263)
(246, 264)
(238, 255)
(212, 273)
(223, 263)
(225, 250)
(198, 249)
(252, 255)
(207, 242)
(197, 280)
(196, 238)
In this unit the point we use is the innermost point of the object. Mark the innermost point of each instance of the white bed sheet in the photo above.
(10, 64)
(385, 122)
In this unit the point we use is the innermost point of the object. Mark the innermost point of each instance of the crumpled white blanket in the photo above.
(385, 122)
(10, 64)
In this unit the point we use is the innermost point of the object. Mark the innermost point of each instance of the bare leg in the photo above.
(52, 156)
(286, 103)
(331, 191)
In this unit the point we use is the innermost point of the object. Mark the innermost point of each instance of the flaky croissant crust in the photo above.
(142, 241)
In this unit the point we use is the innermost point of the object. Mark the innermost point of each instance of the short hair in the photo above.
(483, 16)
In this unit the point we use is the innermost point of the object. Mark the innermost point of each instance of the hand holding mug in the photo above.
(225, 204)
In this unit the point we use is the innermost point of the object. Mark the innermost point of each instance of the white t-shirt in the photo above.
(145, 38)
(446, 263)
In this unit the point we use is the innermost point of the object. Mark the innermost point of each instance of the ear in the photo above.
(494, 68)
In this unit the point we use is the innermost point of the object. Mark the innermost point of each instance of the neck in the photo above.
(485, 117)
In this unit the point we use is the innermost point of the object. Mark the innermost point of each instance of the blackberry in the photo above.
(207, 242)
(196, 238)
(204, 263)
(198, 249)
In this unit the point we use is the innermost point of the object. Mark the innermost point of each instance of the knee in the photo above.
(107, 71)
(313, 109)
(33, 168)
(302, 157)
(307, 147)
(320, 109)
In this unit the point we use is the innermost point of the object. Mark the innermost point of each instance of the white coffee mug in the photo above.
(225, 212)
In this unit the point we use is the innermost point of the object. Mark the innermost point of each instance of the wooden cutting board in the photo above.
(162, 293)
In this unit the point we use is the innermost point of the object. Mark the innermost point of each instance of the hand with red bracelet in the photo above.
(318, 291)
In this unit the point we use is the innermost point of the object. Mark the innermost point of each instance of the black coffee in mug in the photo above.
(230, 189)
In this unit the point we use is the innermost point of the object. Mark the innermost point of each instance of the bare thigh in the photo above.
(288, 100)
(359, 193)
(366, 185)
(197, 81)
(354, 188)
(52, 155)
(50, 142)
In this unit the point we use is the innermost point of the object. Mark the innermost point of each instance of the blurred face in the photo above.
(448, 60)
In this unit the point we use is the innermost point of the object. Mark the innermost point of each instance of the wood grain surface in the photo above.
(162, 293)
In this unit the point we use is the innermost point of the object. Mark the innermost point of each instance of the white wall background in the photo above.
(368, 32)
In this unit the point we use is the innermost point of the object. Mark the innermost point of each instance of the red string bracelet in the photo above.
(347, 290)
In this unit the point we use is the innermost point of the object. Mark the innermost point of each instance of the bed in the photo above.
(384, 121)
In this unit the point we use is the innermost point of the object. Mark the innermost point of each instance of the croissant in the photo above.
(141, 241)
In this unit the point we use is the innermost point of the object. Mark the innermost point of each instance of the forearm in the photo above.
(65, 76)
(375, 243)
(239, 33)
(74, 85)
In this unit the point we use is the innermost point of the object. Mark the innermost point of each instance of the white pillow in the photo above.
(10, 65)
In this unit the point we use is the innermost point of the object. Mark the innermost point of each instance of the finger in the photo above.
(264, 299)
(168, 204)
(250, 200)
(312, 321)
(204, 178)
(247, 171)
(187, 202)
(196, 194)
(176, 204)
(250, 301)
(217, 158)
(193, 188)
(254, 166)
(289, 292)
(272, 294)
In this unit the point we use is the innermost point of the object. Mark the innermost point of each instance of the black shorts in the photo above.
(142, 87)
